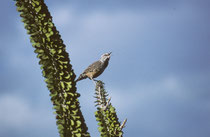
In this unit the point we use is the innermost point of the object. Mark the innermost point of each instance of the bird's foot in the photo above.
(95, 80)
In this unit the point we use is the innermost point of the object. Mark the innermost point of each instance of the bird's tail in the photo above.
(81, 77)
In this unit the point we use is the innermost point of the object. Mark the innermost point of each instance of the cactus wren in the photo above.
(96, 69)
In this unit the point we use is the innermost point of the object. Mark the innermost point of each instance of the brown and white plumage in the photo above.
(96, 69)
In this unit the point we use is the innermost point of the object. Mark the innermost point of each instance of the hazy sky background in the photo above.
(158, 76)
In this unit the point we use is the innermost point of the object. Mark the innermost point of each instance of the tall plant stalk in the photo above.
(55, 65)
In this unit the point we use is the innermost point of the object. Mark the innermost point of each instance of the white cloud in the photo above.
(62, 16)
(144, 94)
(17, 113)
(119, 30)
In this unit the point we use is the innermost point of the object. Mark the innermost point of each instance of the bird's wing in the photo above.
(92, 67)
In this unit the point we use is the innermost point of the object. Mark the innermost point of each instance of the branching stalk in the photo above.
(106, 115)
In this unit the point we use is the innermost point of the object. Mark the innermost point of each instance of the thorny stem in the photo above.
(107, 103)
(123, 124)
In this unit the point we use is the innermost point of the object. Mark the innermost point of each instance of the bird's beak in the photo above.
(109, 54)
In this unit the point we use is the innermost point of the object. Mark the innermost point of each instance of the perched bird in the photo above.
(96, 69)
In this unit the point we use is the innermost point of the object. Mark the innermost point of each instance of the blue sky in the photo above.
(158, 76)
